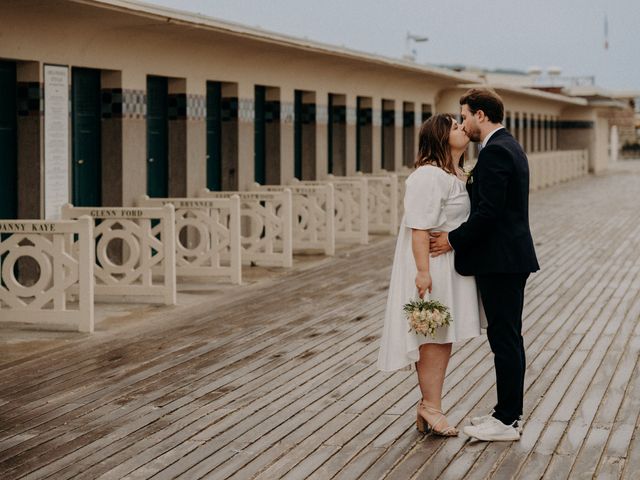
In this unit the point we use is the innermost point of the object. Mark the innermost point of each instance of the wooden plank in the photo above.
(101, 449)
(560, 394)
(300, 396)
(207, 435)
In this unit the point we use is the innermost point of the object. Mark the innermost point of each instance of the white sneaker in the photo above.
(493, 430)
(481, 419)
(484, 418)
(520, 426)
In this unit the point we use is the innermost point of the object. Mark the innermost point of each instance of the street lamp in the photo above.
(410, 54)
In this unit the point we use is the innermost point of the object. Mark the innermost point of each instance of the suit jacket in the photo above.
(496, 238)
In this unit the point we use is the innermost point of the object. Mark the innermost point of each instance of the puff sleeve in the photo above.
(426, 193)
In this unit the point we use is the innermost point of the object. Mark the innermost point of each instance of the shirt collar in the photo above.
(486, 139)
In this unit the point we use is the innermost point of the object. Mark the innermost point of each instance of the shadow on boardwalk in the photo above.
(277, 379)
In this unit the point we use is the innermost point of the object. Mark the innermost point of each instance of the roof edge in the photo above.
(531, 92)
(204, 21)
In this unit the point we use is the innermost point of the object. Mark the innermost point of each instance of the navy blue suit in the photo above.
(495, 245)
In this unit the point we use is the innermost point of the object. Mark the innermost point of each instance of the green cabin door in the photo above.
(297, 135)
(86, 128)
(8, 142)
(260, 135)
(214, 136)
(157, 137)
(330, 121)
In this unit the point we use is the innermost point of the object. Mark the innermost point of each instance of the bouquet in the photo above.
(426, 316)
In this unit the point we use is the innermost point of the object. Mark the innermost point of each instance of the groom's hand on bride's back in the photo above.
(439, 243)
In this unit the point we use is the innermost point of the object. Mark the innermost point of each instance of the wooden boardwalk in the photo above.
(279, 379)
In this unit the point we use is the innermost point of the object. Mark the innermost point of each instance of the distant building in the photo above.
(621, 109)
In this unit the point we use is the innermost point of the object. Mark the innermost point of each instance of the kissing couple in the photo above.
(464, 241)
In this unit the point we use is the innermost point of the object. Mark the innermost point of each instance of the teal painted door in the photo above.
(297, 135)
(260, 163)
(86, 128)
(214, 136)
(359, 125)
(157, 137)
(330, 121)
(8, 142)
(388, 139)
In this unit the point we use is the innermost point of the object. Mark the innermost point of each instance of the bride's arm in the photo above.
(420, 248)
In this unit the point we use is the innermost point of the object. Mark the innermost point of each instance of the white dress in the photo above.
(434, 200)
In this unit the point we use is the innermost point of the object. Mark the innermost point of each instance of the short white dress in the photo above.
(434, 200)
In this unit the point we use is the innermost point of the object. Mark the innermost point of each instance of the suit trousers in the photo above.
(503, 300)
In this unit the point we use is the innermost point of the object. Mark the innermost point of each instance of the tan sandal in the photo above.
(425, 427)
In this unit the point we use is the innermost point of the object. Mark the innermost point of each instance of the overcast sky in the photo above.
(506, 34)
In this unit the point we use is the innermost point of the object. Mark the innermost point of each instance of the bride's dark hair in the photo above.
(433, 143)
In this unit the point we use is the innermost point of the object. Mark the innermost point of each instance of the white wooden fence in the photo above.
(207, 236)
(350, 202)
(550, 168)
(267, 234)
(402, 188)
(313, 215)
(147, 239)
(63, 253)
(382, 201)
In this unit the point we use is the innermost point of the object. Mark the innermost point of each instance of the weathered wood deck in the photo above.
(278, 380)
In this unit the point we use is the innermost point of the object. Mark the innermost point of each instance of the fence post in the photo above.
(234, 238)
(85, 275)
(169, 232)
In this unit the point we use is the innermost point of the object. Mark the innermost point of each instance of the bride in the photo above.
(436, 199)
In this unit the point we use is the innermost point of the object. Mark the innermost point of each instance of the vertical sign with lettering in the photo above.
(56, 139)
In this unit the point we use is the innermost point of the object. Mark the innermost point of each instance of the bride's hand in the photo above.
(423, 283)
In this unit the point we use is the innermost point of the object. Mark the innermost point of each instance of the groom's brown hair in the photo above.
(486, 100)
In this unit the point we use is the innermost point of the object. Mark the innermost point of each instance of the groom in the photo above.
(495, 245)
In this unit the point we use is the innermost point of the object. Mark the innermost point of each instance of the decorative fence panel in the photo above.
(350, 204)
(312, 213)
(63, 253)
(551, 168)
(382, 201)
(130, 244)
(207, 236)
(268, 237)
(402, 188)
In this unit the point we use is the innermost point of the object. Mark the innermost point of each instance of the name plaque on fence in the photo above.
(56, 140)
(242, 195)
(306, 189)
(190, 203)
(27, 228)
(116, 212)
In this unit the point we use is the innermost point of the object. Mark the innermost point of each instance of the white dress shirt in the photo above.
(486, 139)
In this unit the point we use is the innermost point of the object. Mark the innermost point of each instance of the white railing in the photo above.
(142, 240)
(267, 233)
(350, 203)
(550, 168)
(382, 201)
(207, 233)
(63, 253)
(402, 175)
(312, 213)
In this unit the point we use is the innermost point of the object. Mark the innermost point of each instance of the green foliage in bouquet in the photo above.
(426, 316)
